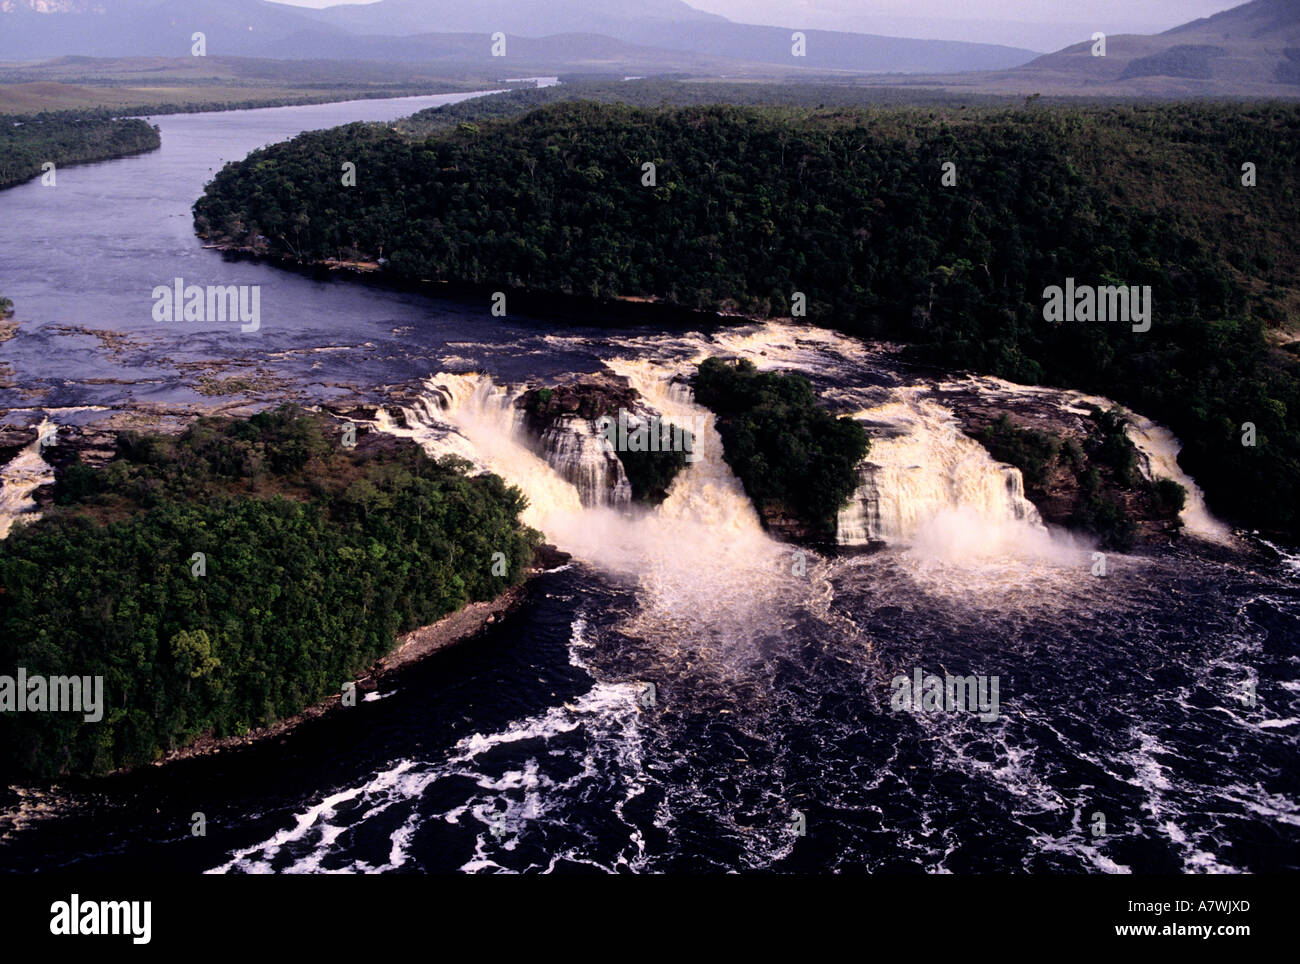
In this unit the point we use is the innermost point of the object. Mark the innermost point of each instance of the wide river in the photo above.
(1124, 739)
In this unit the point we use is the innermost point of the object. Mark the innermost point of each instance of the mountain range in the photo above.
(1249, 51)
(665, 34)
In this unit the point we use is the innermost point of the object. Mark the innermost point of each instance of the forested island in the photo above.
(28, 141)
(797, 461)
(229, 577)
(854, 209)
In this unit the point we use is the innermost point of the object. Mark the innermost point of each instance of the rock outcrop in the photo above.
(1074, 470)
(561, 421)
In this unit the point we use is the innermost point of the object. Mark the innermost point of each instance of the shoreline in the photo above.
(451, 630)
(621, 310)
(34, 803)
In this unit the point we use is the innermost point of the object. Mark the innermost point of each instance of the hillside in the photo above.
(1249, 51)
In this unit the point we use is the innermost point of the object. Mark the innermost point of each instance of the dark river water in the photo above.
(1124, 740)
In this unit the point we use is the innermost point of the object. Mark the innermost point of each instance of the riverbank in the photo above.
(28, 805)
(571, 309)
(452, 630)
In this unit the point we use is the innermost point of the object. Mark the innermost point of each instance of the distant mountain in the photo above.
(609, 35)
(536, 19)
(673, 25)
(831, 50)
(1250, 51)
(1253, 49)
(32, 29)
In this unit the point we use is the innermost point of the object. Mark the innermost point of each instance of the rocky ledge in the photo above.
(1080, 469)
(561, 422)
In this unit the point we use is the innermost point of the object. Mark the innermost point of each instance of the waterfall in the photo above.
(700, 560)
(472, 417)
(920, 469)
(1158, 449)
(1157, 446)
(708, 492)
(925, 487)
(20, 477)
(573, 447)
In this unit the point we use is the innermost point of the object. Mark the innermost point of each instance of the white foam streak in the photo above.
(20, 477)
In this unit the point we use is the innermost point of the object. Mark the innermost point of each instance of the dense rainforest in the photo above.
(234, 575)
(666, 91)
(747, 206)
(28, 141)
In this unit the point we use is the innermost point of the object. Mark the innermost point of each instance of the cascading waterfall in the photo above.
(924, 487)
(1157, 446)
(572, 446)
(1158, 449)
(708, 492)
(20, 477)
(706, 523)
(922, 471)
(472, 417)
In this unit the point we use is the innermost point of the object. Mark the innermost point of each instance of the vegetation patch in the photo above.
(231, 576)
(28, 141)
(794, 458)
(1092, 484)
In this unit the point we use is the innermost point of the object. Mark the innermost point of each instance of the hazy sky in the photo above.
(1039, 24)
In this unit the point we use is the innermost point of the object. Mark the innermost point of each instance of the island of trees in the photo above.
(797, 461)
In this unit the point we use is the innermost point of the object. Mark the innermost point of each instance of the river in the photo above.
(1123, 738)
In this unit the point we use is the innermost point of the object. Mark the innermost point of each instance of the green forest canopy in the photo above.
(314, 557)
(67, 137)
(791, 454)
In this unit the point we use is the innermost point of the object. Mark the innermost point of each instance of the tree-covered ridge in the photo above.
(666, 92)
(67, 137)
(750, 205)
(314, 557)
(794, 458)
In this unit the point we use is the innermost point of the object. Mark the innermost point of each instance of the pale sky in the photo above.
(1038, 24)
